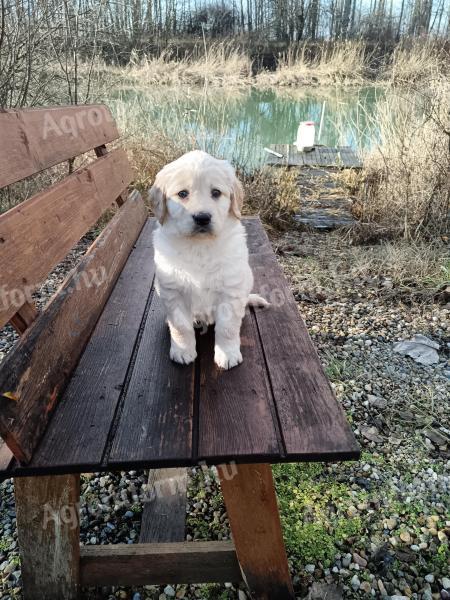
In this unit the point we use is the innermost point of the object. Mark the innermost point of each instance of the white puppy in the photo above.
(201, 255)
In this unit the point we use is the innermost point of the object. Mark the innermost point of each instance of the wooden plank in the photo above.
(236, 414)
(103, 151)
(23, 318)
(157, 411)
(38, 138)
(313, 425)
(78, 432)
(153, 564)
(252, 509)
(37, 234)
(49, 536)
(164, 514)
(35, 372)
(321, 156)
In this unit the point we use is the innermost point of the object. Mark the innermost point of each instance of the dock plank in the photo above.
(321, 156)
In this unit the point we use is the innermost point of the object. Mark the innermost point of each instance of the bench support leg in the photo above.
(251, 504)
(47, 510)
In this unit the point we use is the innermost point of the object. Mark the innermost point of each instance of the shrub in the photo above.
(406, 189)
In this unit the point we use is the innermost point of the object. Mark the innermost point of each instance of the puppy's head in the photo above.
(196, 194)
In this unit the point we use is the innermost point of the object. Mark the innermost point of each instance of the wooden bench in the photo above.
(89, 386)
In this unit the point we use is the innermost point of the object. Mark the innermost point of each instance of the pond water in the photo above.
(238, 124)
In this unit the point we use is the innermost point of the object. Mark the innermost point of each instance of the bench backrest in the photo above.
(36, 235)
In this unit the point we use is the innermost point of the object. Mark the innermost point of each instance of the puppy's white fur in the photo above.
(202, 273)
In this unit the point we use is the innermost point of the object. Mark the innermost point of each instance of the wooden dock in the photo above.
(324, 204)
(342, 157)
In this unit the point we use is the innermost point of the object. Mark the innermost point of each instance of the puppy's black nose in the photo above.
(202, 219)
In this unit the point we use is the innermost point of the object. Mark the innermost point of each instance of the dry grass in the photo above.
(221, 64)
(417, 60)
(330, 266)
(342, 63)
(406, 189)
(273, 194)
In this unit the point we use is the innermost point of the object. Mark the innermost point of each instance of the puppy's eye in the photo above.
(183, 194)
(216, 193)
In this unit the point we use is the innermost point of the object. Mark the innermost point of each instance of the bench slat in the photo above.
(91, 398)
(313, 423)
(36, 370)
(157, 410)
(236, 415)
(37, 234)
(35, 139)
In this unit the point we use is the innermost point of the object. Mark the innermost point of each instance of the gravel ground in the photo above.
(375, 528)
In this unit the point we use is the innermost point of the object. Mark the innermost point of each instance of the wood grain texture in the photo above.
(164, 514)
(78, 433)
(102, 151)
(321, 156)
(236, 416)
(35, 372)
(35, 139)
(23, 318)
(313, 425)
(153, 564)
(48, 530)
(39, 233)
(251, 504)
(155, 427)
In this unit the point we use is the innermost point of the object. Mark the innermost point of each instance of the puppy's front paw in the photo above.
(227, 359)
(184, 356)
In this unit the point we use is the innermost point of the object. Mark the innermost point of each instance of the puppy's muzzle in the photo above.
(202, 221)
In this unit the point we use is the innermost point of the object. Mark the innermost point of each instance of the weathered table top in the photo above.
(128, 406)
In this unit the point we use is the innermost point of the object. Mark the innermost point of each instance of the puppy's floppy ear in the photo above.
(237, 194)
(158, 198)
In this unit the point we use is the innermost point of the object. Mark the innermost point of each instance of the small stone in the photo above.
(129, 514)
(405, 536)
(359, 560)
(377, 401)
(391, 523)
(310, 568)
(446, 583)
(352, 511)
(429, 578)
(382, 589)
(441, 536)
(366, 587)
(169, 591)
(136, 596)
(4, 565)
(9, 568)
(242, 595)
(355, 583)
(415, 548)
(347, 560)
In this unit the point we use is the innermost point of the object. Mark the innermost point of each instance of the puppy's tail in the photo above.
(256, 300)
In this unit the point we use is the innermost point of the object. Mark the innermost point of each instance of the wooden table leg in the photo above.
(47, 510)
(251, 504)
